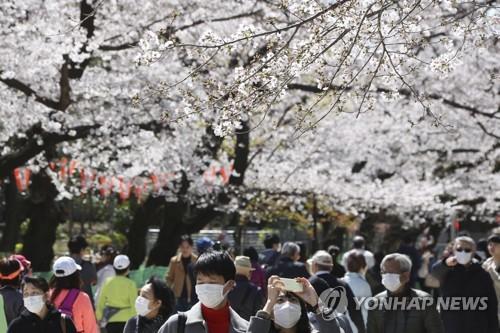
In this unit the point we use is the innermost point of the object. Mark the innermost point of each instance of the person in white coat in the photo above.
(355, 278)
(358, 244)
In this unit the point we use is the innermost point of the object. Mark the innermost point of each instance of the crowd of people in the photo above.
(216, 291)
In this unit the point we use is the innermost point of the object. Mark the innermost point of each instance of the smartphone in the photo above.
(292, 285)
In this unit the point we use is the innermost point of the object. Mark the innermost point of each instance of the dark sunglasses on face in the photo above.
(464, 250)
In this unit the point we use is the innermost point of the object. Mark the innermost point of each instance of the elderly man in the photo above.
(321, 266)
(462, 276)
(245, 298)
(401, 309)
(288, 265)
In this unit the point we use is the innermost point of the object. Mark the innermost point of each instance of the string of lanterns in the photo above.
(139, 186)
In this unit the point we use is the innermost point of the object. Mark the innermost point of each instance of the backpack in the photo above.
(181, 322)
(66, 307)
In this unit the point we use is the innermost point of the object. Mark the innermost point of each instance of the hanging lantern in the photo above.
(72, 167)
(156, 183)
(105, 185)
(22, 176)
(124, 188)
(63, 171)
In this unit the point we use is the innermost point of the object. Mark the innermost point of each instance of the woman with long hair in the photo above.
(154, 306)
(39, 315)
(68, 297)
(293, 312)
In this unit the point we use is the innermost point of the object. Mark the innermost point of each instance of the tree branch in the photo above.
(32, 146)
(24, 88)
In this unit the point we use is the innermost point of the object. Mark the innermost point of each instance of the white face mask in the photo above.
(142, 306)
(287, 314)
(463, 258)
(210, 294)
(391, 281)
(34, 304)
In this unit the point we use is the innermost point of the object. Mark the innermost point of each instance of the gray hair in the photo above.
(465, 239)
(403, 260)
(289, 249)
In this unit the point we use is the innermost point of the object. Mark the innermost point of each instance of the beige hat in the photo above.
(243, 262)
(322, 258)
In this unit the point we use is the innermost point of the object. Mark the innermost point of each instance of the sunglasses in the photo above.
(464, 250)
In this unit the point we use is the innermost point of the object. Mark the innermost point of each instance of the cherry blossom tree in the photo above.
(373, 104)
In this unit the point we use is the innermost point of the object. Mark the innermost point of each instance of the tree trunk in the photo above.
(170, 234)
(45, 215)
(14, 216)
(145, 215)
(176, 224)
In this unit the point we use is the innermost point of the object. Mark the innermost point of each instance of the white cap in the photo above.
(121, 262)
(65, 266)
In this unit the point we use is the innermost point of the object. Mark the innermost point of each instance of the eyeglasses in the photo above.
(464, 250)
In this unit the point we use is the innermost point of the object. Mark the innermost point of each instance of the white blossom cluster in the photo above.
(410, 88)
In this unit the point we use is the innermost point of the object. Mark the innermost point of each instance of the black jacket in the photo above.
(245, 298)
(471, 281)
(287, 268)
(268, 257)
(139, 324)
(28, 322)
(333, 282)
(422, 317)
(12, 302)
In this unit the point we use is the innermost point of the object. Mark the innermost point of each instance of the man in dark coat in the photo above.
(245, 298)
(288, 265)
(321, 265)
(400, 308)
(269, 256)
(461, 276)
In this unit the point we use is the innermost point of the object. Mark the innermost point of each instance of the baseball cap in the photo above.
(108, 250)
(203, 244)
(65, 266)
(22, 259)
(322, 258)
(243, 262)
(121, 262)
(494, 238)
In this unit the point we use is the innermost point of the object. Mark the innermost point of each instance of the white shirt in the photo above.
(369, 258)
(102, 275)
(360, 288)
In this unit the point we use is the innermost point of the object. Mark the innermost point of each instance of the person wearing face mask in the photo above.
(321, 264)
(355, 278)
(287, 312)
(462, 276)
(154, 306)
(39, 315)
(215, 278)
(410, 310)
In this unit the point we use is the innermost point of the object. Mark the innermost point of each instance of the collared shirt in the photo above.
(195, 322)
